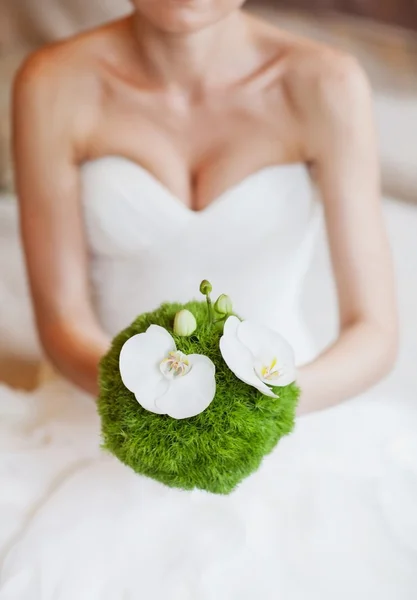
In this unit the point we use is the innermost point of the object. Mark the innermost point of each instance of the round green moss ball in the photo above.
(213, 451)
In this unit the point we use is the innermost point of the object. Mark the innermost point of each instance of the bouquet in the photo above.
(194, 397)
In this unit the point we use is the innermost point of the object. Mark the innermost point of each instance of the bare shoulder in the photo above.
(323, 79)
(327, 90)
(57, 66)
(330, 96)
(52, 83)
(313, 73)
(65, 70)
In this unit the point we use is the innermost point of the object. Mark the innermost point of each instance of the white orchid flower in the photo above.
(257, 355)
(163, 379)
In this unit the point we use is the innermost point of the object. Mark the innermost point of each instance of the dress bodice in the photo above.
(254, 242)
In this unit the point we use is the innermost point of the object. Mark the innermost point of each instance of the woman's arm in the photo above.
(47, 181)
(344, 150)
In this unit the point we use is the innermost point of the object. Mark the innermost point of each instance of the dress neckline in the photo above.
(279, 169)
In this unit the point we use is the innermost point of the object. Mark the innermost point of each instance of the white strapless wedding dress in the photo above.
(331, 514)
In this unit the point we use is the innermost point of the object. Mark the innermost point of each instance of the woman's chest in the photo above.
(198, 148)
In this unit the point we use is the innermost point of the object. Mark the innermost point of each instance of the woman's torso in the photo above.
(177, 187)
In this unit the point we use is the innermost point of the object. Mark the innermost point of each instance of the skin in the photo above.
(180, 87)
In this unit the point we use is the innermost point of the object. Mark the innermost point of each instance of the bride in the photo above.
(190, 140)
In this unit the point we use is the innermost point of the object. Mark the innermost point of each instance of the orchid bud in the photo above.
(224, 305)
(206, 287)
(184, 323)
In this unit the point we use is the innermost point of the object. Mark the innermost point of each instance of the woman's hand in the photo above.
(345, 162)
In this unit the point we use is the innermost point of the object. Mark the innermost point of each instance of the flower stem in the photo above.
(209, 309)
(221, 320)
(206, 289)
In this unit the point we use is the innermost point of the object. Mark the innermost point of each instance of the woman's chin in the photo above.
(185, 16)
(181, 20)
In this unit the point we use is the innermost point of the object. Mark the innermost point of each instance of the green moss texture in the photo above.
(213, 451)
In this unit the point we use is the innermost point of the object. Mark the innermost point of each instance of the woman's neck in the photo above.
(214, 56)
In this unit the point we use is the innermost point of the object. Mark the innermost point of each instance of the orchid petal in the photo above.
(289, 376)
(263, 341)
(192, 393)
(268, 345)
(240, 361)
(231, 326)
(139, 362)
(286, 371)
(150, 391)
